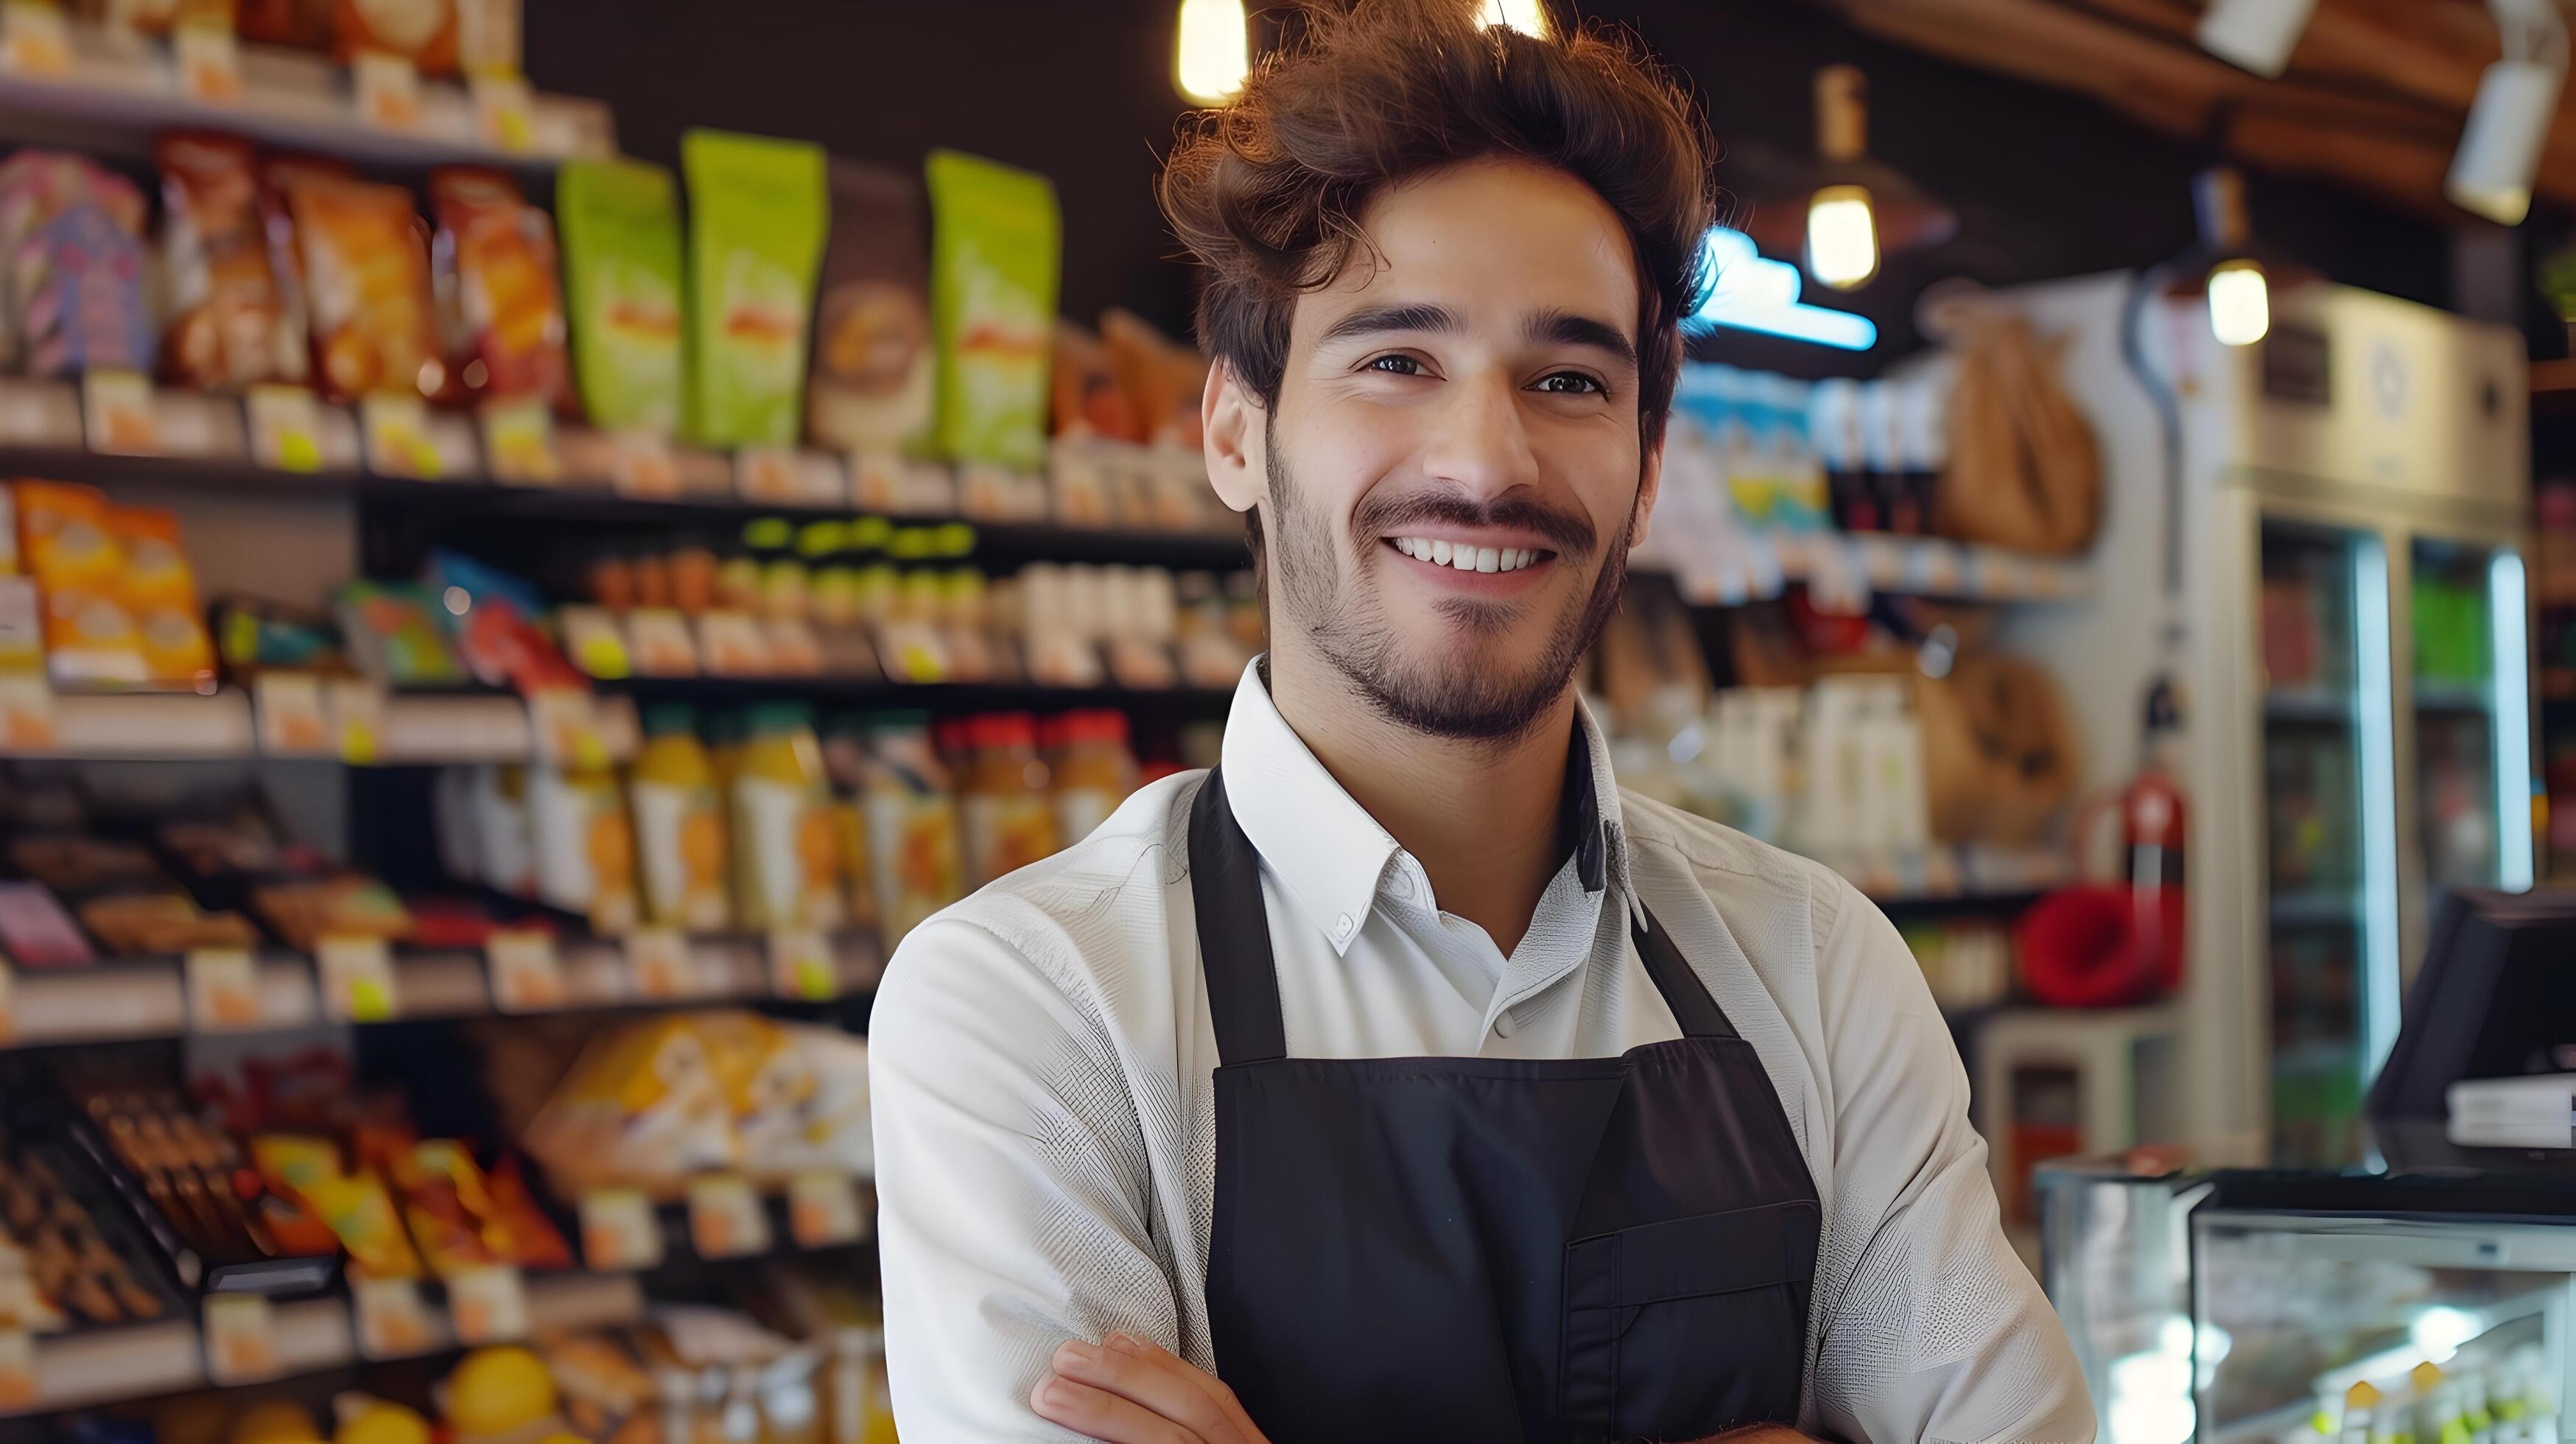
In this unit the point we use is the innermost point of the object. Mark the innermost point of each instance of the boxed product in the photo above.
(229, 326)
(621, 242)
(996, 242)
(873, 383)
(757, 213)
(366, 287)
(495, 263)
(71, 241)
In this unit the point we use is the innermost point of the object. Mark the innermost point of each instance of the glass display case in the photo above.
(2427, 1302)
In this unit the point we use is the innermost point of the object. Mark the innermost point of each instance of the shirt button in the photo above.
(1342, 926)
(1504, 1025)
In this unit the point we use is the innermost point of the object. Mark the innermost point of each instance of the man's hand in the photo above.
(1124, 1390)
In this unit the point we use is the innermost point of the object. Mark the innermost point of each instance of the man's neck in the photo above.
(1481, 817)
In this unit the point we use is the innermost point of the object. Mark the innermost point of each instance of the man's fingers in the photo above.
(1099, 1414)
(1208, 1384)
(1151, 1379)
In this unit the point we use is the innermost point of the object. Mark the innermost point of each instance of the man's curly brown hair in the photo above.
(1266, 191)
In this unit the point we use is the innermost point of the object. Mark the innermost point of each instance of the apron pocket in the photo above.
(1684, 1329)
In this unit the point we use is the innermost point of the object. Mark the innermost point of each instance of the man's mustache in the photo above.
(1570, 533)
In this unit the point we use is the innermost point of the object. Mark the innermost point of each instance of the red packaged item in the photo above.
(366, 284)
(495, 263)
(229, 326)
(304, 24)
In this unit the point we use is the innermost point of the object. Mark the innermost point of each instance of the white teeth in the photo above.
(1514, 559)
(1488, 559)
(1463, 558)
(1410, 546)
(1438, 555)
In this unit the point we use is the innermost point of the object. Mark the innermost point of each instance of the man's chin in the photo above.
(1471, 692)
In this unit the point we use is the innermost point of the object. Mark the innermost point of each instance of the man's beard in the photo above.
(1457, 693)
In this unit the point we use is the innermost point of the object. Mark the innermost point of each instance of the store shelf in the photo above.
(2315, 908)
(125, 1001)
(1755, 565)
(2553, 387)
(2453, 697)
(2558, 684)
(2318, 705)
(311, 1335)
(1950, 875)
(119, 94)
(937, 696)
(413, 729)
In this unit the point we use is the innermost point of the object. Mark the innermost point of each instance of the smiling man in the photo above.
(1401, 1079)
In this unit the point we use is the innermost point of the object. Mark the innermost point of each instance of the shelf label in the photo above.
(392, 1321)
(117, 414)
(725, 1217)
(732, 644)
(659, 966)
(527, 977)
(223, 990)
(357, 720)
(784, 476)
(288, 708)
(357, 980)
(398, 443)
(17, 1371)
(619, 1231)
(35, 40)
(285, 428)
(823, 1210)
(566, 725)
(505, 113)
(876, 481)
(241, 1339)
(519, 442)
(801, 966)
(660, 644)
(8, 1019)
(488, 1303)
(27, 713)
(208, 61)
(388, 90)
(640, 464)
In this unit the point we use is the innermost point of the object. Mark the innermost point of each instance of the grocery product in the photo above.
(757, 213)
(621, 241)
(35, 932)
(228, 324)
(366, 287)
(377, 1422)
(498, 1391)
(70, 548)
(488, 36)
(786, 860)
(680, 825)
(1007, 819)
(1087, 397)
(494, 258)
(1093, 770)
(420, 31)
(873, 383)
(585, 845)
(71, 244)
(995, 252)
(393, 634)
(160, 593)
(1162, 378)
(305, 911)
(73, 1272)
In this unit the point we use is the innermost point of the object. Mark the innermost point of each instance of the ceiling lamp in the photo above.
(2255, 35)
(2508, 125)
(1215, 51)
(2240, 295)
(1847, 212)
(1529, 17)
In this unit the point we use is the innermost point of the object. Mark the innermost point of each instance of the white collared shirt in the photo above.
(1041, 1060)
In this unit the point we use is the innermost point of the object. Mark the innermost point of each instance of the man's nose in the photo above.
(1480, 443)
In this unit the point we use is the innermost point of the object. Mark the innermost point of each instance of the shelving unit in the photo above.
(1755, 565)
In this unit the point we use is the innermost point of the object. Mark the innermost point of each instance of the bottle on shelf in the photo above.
(680, 825)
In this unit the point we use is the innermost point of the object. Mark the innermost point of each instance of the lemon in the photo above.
(497, 1390)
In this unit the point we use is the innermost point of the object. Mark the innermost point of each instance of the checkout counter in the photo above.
(2422, 1291)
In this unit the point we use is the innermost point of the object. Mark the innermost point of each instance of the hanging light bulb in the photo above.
(1529, 17)
(2240, 303)
(1842, 227)
(1215, 50)
(2239, 295)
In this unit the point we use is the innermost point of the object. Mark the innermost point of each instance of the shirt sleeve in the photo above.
(1011, 1185)
(1932, 1327)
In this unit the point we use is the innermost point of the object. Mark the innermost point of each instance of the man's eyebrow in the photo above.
(1371, 320)
(1566, 328)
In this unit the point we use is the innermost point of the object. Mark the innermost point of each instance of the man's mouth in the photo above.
(1460, 556)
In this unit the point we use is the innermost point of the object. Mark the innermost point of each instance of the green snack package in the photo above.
(620, 225)
(996, 246)
(757, 213)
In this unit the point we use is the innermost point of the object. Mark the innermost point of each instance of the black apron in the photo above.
(1411, 1249)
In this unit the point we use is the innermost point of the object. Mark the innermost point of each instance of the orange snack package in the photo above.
(230, 326)
(495, 263)
(160, 592)
(420, 31)
(366, 283)
(63, 534)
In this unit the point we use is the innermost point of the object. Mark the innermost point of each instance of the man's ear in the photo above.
(1650, 479)
(1231, 417)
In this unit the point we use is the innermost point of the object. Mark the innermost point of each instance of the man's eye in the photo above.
(1396, 365)
(1570, 383)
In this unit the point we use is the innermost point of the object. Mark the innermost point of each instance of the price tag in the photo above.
(288, 708)
(488, 1304)
(801, 966)
(660, 644)
(659, 966)
(794, 650)
(397, 437)
(34, 40)
(823, 1210)
(285, 428)
(876, 481)
(8, 1018)
(357, 980)
(619, 1231)
(567, 728)
(505, 115)
(594, 642)
(393, 1323)
(208, 59)
(519, 442)
(27, 713)
(388, 90)
(640, 464)
(732, 644)
(357, 721)
(117, 414)
(765, 473)
(223, 990)
(17, 1371)
(725, 1217)
(241, 1339)
(526, 975)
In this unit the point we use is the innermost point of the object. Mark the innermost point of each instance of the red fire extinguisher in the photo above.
(2100, 945)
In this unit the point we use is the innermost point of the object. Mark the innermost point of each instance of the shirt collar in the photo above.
(1332, 856)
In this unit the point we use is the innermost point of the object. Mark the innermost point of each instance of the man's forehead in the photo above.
(1492, 242)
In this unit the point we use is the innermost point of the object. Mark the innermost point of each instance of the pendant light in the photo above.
(1842, 226)
(1215, 50)
(2239, 294)
(2509, 121)
(1529, 17)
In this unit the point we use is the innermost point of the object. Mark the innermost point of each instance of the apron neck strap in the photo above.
(1243, 976)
